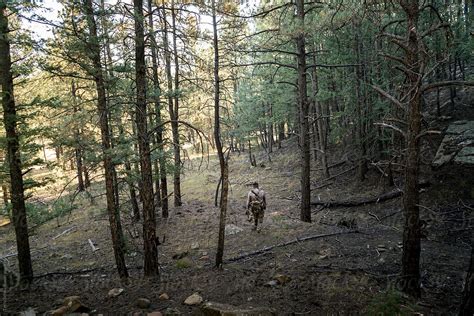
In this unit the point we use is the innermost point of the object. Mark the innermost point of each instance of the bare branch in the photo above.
(442, 84)
(388, 96)
(392, 127)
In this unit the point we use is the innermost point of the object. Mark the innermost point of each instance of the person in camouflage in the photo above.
(256, 205)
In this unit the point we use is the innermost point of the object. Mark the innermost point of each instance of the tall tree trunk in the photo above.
(222, 160)
(5, 194)
(270, 130)
(78, 150)
(130, 182)
(305, 207)
(361, 101)
(467, 305)
(320, 121)
(159, 131)
(107, 79)
(10, 121)
(174, 124)
(171, 107)
(411, 200)
(87, 180)
(281, 134)
(149, 221)
(114, 214)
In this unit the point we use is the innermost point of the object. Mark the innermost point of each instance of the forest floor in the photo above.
(352, 272)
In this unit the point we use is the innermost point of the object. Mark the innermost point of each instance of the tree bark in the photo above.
(87, 181)
(130, 182)
(411, 200)
(78, 150)
(159, 131)
(467, 305)
(173, 115)
(222, 160)
(5, 194)
(174, 124)
(114, 214)
(10, 121)
(361, 101)
(305, 153)
(149, 221)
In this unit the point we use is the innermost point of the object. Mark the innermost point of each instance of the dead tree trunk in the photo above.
(305, 206)
(411, 199)
(10, 121)
(97, 73)
(149, 222)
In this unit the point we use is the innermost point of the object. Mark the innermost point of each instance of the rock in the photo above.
(232, 229)
(282, 279)
(74, 305)
(195, 245)
(218, 309)
(164, 297)
(271, 283)
(60, 311)
(457, 145)
(172, 311)
(28, 312)
(66, 310)
(194, 299)
(143, 303)
(115, 292)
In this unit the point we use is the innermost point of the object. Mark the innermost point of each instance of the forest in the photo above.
(237, 157)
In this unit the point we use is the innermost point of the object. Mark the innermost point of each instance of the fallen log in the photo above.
(384, 197)
(64, 232)
(294, 241)
(64, 273)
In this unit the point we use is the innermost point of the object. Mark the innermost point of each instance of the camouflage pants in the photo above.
(257, 212)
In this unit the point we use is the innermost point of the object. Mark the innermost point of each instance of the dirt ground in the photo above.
(347, 273)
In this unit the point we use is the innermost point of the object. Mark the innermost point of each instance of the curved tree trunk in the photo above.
(222, 160)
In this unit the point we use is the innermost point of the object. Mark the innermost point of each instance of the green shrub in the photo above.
(38, 214)
(184, 263)
(391, 303)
